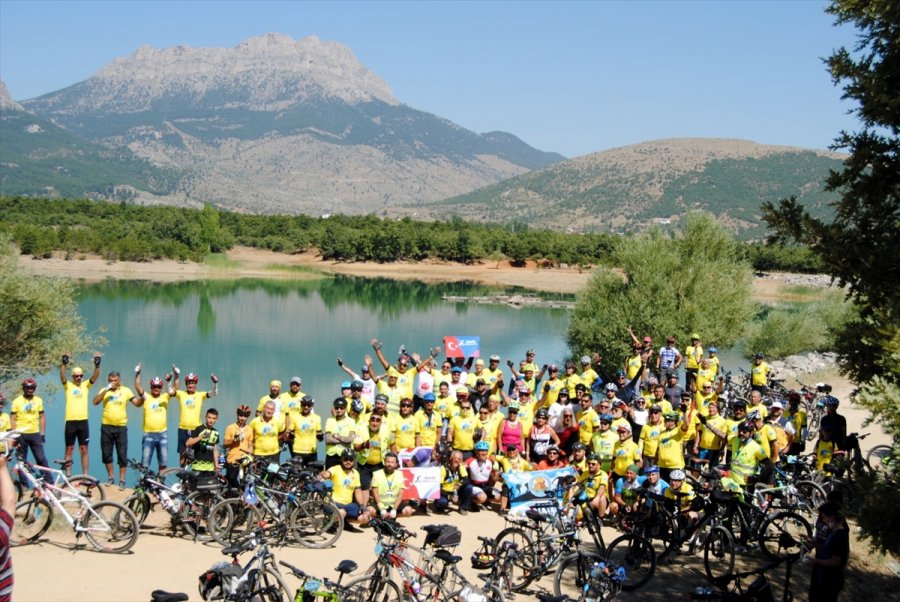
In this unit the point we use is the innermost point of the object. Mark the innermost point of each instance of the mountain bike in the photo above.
(312, 589)
(731, 589)
(257, 581)
(108, 526)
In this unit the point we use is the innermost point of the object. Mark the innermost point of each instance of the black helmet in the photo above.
(356, 385)
(746, 427)
(347, 455)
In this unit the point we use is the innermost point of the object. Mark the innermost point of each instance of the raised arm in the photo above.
(137, 384)
(215, 387)
(349, 372)
(64, 361)
(376, 345)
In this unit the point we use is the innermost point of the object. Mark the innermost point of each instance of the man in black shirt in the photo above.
(204, 440)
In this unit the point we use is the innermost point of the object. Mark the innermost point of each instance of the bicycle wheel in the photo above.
(718, 553)
(810, 496)
(89, 487)
(573, 572)
(783, 534)
(813, 427)
(491, 594)
(140, 505)
(110, 527)
(272, 587)
(370, 589)
(636, 554)
(231, 520)
(526, 565)
(661, 529)
(195, 511)
(880, 456)
(32, 519)
(316, 523)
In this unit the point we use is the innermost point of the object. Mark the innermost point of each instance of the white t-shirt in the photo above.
(424, 383)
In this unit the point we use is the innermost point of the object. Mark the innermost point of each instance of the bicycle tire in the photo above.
(89, 487)
(527, 564)
(195, 511)
(638, 557)
(877, 455)
(573, 572)
(493, 594)
(369, 589)
(316, 523)
(231, 520)
(664, 535)
(718, 553)
(782, 535)
(140, 506)
(812, 428)
(33, 517)
(272, 587)
(811, 495)
(110, 527)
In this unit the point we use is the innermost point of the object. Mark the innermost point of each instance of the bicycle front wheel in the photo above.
(231, 520)
(636, 554)
(89, 487)
(110, 527)
(32, 519)
(718, 553)
(316, 523)
(782, 535)
(879, 457)
(370, 589)
(525, 565)
(194, 514)
(573, 572)
(140, 505)
(272, 587)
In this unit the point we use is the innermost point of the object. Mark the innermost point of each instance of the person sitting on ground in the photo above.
(626, 491)
(387, 491)
(481, 474)
(511, 462)
(625, 452)
(682, 494)
(593, 482)
(345, 490)
(455, 486)
(554, 459)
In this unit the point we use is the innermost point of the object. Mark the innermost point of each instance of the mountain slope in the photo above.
(625, 188)
(276, 124)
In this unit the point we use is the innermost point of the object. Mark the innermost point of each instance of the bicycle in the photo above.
(108, 526)
(257, 581)
(758, 591)
(89, 486)
(188, 511)
(327, 590)
(881, 459)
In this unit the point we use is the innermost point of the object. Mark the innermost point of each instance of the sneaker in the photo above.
(110, 481)
(121, 485)
(463, 511)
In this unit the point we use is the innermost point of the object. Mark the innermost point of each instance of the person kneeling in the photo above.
(387, 490)
(346, 491)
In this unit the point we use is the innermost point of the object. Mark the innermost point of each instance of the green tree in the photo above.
(38, 319)
(858, 247)
(692, 280)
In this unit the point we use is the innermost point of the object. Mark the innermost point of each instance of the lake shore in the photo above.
(247, 262)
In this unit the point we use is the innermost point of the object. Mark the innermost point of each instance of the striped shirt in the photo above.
(667, 357)
(6, 570)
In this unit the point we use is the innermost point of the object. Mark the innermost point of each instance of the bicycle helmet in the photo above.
(243, 410)
(577, 445)
(611, 387)
(347, 455)
(345, 384)
(513, 406)
(191, 378)
(620, 373)
(356, 385)
(483, 560)
(745, 427)
(713, 350)
(820, 387)
(605, 418)
(585, 360)
(754, 416)
(570, 364)
(307, 400)
(827, 389)
(542, 413)
(482, 446)
(29, 383)
(671, 416)
(356, 405)
(832, 401)
(428, 397)
(759, 356)
(676, 475)
(381, 397)
(564, 392)
(739, 403)
(156, 382)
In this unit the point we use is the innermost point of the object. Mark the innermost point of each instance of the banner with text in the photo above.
(462, 346)
(529, 488)
(421, 483)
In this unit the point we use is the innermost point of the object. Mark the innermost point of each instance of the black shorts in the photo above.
(77, 430)
(365, 474)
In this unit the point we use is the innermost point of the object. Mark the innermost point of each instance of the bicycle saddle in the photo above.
(159, 595)
(445, 556)
(536, 515)
(346, 566)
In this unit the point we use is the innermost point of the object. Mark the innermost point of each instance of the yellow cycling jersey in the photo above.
(684, 500)
(306, 428)
(745, 458)
(191, 405)
(759, 374)
(405, 431)
(429, 427)
(588, 422)
(343, 484)
(77, 397)
(625, 453)
(592, 482)
(650, 438)
(265, 435)
(632, 366)
(339, 428)
(156, 413)
(692, 356)
(463, 428)
(115, 405)
(708, 439)
(28, 413)
(670, 453)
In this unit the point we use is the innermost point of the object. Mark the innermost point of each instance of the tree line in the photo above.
(127, 232)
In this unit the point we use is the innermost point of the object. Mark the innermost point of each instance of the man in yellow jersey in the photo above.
(709, 439)
(307, 428)
(391, 390)
(404, 428)
(588, 420)
(493, 374)
(371, 445)
(529, 361)
(190, 404)
(650, 435)
(757, 405)
(588, 375)
(238, 444)
(268, 432)
(692, 356)
(345, 488)
(746, 457)
(706, 395)
(455, 486)
(706, 373)
(27, 415)
(571, 379)
(714, 362)
(594, 482)
(625, 452)
(604, 441)
(759, 373)
(156, 406)
(113, 428)
(670, 451)
(274, 396)
(77, 395)
(290, 399)
(387, 491)
(784, 430)
(461, 430)
(550, 389)
(578, 461)
(403, 372)
(796, 416)
(682, 494)
(428, 422)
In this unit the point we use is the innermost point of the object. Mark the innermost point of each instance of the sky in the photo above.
(569, 77)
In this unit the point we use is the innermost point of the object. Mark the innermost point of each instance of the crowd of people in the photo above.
(619, 428)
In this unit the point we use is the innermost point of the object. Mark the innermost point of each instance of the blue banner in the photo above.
(529, 488)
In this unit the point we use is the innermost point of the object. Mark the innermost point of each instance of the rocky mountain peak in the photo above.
(267, 72)
(6, 99)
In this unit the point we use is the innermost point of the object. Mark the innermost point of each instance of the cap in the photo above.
(77, 372)
(673, 375)
(479, 362)
(275, 383)
(651, 470)
(296, 380)
(381, 397)
(624, 427)
(563, 391)
(633, 468)
(479, 381)
(648, 340)
(340, 402)
(462, 392)
(776, 405)
(671, 416)
(428, 397)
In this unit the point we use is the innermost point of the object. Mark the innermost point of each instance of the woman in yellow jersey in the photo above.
(429, 422)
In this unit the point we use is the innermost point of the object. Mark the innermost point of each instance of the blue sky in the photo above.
(571, 77)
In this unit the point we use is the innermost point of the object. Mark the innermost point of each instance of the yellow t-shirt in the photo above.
(707, 375)
(156, 413)
(429, 426)
(265, 435)
(77, 397)
(305, 430)
(28, 413)
(588, 423)
(339, 428)
(603, 443)
(684, 501)
(760, 407)
(492, 376)
(405, 382)
(589, 377)
(692, 355)
(442, 406)
(759, 374)
(708, 439)
(632, 366)
(394, 395)
(824, 454)
(591, 483)
(766, 437)
(571, 382)
(290, 403)
(703, 401)
(520, 464)
(650, 438)
(624, 455)
(552, 391)
(671, 448)
(463, 431)
(115, 404)
(377, 444)
(450, 481)
(405, 431)
(191, 404)
(343, 484)
(390, 488)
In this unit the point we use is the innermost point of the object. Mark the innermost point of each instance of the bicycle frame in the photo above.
(56, 495)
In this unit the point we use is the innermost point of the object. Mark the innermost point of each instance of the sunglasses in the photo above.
(406, 405)
(656, 411)
(373, 419)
